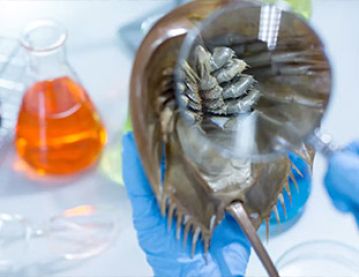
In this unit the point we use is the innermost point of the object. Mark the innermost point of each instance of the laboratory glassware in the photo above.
(321, 258)
(75, 234)
(11, 87)
(58, 130)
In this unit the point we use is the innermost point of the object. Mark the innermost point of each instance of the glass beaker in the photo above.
(75, 234)
(58, 130)
(319, 258)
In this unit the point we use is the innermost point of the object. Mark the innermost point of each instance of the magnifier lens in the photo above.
(252, 80)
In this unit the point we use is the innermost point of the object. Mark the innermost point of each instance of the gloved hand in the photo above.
(229, 251)
(342, 179)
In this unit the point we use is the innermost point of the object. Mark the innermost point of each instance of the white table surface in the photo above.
(104, 66)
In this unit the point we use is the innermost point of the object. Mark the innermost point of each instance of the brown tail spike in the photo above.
(196, 235)
(292, 177)
(305, 154)
(287, 189)
(187, 228)
(206, 242)
(163, 204)
(281, 201)
(276, 214)
(170, 215)
(242, 218)
(297, 170)
(179, 224)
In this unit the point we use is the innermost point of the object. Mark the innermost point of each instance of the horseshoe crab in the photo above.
(199, 182)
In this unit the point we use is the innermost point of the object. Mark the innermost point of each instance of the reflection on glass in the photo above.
(320, 259)
(78, 233)
(269, 25)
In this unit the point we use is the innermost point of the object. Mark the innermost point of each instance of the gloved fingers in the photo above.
(230, 248)
(356, 215)
(135, 179)
(146, 214)
(353, 147)
(229, 231)
(232, 259)
(342, 174)
(342, 181)
(339, 202)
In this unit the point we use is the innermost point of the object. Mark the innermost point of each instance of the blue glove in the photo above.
(342, 179)
(229, 251)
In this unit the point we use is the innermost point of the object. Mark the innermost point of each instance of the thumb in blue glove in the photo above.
(342, 179)
(229, 251)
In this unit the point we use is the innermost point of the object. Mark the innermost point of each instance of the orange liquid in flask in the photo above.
(58, 129)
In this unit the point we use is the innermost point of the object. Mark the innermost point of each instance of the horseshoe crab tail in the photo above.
(240, 215)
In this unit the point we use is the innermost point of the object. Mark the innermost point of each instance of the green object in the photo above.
(128, 125)
(302, 7)
(111, 162)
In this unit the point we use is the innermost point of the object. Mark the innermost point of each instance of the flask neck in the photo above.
(44, 42)
(48, 65)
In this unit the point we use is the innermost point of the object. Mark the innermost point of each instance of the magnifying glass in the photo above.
(254, 81)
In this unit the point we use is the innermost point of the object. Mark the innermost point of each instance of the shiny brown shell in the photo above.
(198, 183)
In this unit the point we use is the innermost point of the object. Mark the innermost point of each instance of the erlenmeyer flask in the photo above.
(58, 129)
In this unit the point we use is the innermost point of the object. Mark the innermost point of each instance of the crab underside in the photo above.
(228, 79)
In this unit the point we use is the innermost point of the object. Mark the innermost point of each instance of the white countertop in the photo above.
(104, 67)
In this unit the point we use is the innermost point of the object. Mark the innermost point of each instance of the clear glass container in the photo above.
(75, 234)
(58, 129)
(320, 259)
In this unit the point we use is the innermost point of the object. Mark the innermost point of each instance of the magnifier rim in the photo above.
(185, 49)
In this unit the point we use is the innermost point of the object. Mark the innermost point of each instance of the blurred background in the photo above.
(103, 60)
